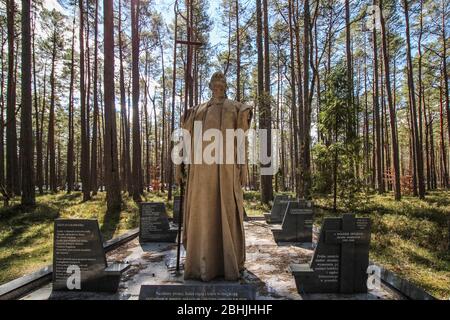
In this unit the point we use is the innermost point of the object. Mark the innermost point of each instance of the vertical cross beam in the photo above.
(347, 266)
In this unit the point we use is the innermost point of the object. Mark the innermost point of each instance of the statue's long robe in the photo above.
(213, 231)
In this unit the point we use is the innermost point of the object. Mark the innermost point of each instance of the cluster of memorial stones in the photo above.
(339, 263)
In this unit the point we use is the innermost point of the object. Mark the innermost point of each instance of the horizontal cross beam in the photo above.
(191, 43)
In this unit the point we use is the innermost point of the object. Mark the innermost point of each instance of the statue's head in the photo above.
(218, 84)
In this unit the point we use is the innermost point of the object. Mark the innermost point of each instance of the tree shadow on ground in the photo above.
(17, 215)
(69, 196)
(110, 224)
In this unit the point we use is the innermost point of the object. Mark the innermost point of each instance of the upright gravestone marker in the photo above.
(154, 223)
(278, 208)
(79, 261)
(340, 261)
(297, 223)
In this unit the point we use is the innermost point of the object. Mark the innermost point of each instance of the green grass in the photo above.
(408, 237)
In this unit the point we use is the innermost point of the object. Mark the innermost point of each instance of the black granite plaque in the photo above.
(154, 223)
(340, 261)
(176, 208)
(278, 209)
(198, 292)
(297, 223)
(79, 261)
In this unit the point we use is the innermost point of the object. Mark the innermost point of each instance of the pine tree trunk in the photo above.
(376, 110)
(307, 102)
(172, 111)
(26, 131)
(238, 54)
(294, 148)
(126, 144)
(51, 122)
(113, 197)
(418, 148)
(444, 178)
(70, 143)
(2, 109)
(11, 134)
(136, 169)
(392, 112)
(84, 168)
(94, 161)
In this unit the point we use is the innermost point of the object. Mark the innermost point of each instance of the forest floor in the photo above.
(410, 237)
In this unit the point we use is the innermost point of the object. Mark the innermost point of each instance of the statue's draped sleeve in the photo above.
(245, 116)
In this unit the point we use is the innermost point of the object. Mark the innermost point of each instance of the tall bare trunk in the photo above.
(12, 177)
(70, 144)
(51, 121)
(418, 148)
(392, 113)
(137, 168)
(84, 168)
(26, 131)
(113, 197)
(94, 161)
(376, 110)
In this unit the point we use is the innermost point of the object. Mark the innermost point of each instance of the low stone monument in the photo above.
(297, 225)
(341, 259)
(154, 224)
(79, 261)
(280, 203)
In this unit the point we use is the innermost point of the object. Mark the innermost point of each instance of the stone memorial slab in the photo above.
(79, 261)
(176, 209)
(154, 223)
(297, 225)
(341, 259)
(278, 209)
(198, 292)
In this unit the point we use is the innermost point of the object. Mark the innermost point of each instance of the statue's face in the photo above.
(218, 89)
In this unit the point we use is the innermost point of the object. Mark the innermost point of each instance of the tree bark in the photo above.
(126, 144)
(376, 110)
(392, 112)
(51, 121)
(2, 109)
(12, 182)
(238, 54)
(418, 147)
(264, 99)
(70, 144)
(84, 169)
(137, 166)
(113, 197)
(172, 111)
(26, 131)
(294, 148)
